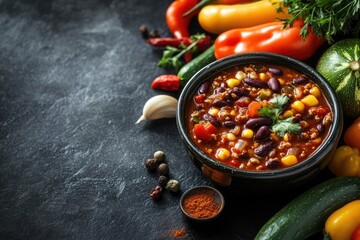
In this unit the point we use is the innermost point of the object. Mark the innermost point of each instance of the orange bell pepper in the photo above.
(352, 134)
(268, 37)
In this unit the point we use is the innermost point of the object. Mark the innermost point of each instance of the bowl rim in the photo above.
(197, 188)
(266, 58)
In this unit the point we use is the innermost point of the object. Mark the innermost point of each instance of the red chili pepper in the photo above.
(173, 42)
(269, 37)
(177, 24)
(167, 82)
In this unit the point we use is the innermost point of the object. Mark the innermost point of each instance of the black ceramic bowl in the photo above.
(259, 182)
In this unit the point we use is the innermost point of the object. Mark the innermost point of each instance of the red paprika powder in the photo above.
(201, 204)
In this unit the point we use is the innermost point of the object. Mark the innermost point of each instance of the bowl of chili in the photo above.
(259, 122)
(202, 203)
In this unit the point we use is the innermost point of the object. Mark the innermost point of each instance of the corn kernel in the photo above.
(298, 106)
(232, 82)
(315, 91)
(310, 100)
(264, 93)
(289, 160)
(262, 76)
(288, 113)
(240, 75)
(230, 137)
(222, 154)
(247, 133)
(233, 113)
(287, 137)
(213, 111)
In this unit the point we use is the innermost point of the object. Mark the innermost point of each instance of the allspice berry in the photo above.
(151, 164)
(163, 181)
(159, 156)
(163, 169)
(173, 185)
(156, 192)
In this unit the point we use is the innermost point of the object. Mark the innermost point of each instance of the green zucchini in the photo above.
(190, 68)
(340, 65)
(306, 214)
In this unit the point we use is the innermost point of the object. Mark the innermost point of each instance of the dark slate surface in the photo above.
(74, 76)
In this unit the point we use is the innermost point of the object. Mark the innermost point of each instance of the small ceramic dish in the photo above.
(202, 203)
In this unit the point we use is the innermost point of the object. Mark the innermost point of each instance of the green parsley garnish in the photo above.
(327, 18)
(273, 111)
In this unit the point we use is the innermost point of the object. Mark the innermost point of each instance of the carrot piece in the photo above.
(253, 109)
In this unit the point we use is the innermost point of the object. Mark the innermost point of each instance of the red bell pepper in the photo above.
(176, 22)
(269, 37)
(201, 133)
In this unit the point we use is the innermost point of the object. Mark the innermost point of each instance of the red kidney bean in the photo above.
(236, 93)
(296, 119)
(255, 123)
(272, 163)
(300, 80)
(229, 124)
(204, 88)
(262, 133)
(320, 127)
(265, 148)
(255, 82)
(220, 103)
(211, 119)
(274, 85)
(219, 90)
(275, 71)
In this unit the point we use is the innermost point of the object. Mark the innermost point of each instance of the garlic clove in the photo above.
(160, 106)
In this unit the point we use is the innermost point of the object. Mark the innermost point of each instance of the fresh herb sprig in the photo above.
(273, 111)
(327, 18)
(171, 57)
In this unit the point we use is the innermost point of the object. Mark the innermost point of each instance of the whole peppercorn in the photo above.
(159, 156)
(144, 31)
(173, 185)
(156, 192)
(163, 169)
(151, 164)
(154, 33)
(163, 181)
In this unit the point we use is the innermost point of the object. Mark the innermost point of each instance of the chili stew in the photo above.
(259, 117)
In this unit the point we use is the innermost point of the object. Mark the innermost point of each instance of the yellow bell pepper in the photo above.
(342, 223)
(352, 134)
(345, 162)
(220, 18)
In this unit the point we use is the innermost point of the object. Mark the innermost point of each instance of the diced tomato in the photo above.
(234, 163)
(243, 102)
(321, 111)
(199, 98)
(201, 133)
(356, 234)
(253, 109)
(210, 128)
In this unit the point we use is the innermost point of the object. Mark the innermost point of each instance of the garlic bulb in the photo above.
(160, 106)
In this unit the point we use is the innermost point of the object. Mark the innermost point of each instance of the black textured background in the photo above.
(74, 76)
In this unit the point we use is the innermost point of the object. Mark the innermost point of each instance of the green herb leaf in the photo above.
(273, 111)
(172, 55)
(327, 18)
(286, 125)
